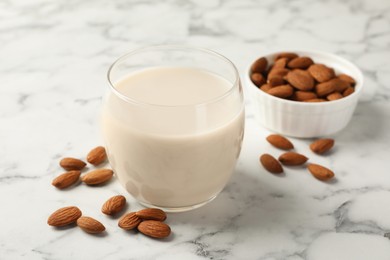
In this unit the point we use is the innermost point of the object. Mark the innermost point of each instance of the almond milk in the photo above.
(174, 142)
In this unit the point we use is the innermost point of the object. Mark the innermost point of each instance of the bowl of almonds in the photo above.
(304, 93)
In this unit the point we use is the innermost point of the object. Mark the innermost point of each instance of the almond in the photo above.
(257, 79)
(321, 146)
(276, 80)
(292, 158)
(270, 163)
(96, 177)
(280, 142)
(320, 172)
(66, 179)
(340, 85)
(325, 88)
(348, 91)
(303, 95)
(97, 155)
(288, 55)
(114, 205)
(90, 225)
(300, 63)
(279, 72)
(321, 73)
(300, 79)
(334, 96)
(64, 216)
(153, 228)
(314, 100)
(266, 87)
(259, 66)
(129, 221)
(151, 214)
(348, 79)
(280, 63)
(70, 164)
(282, 91)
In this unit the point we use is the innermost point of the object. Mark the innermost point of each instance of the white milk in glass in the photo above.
(174, 142)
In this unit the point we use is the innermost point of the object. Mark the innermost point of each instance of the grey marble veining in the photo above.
(53, 61)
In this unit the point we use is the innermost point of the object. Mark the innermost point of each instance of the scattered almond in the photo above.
(129, 221)
(114, 205)
(70, 164)
(66, 179)
(151, 214)
(90, 225)
(270, 163)
(64, 216)
(153, 228)
(280, 142)
(321, 146)
(320, 172)
(292, 158)
(97, 155)
(98, 176)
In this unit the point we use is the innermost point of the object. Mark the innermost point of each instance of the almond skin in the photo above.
(151, 214)
(270, 163)
(321, 73)
(300, 63)
(282, 91)
(64, 216)
(300, 79)
(257, 79)
(96, 177)
(280, 142)
(129, 221)
(114, 205)
(97, 155)
(292, 158)
(259, 66)
(153, 228)
(66, 179)
(90, 225)
(321, 146)
(70, 164)
(320, 172)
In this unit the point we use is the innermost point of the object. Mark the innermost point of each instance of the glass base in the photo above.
(178, 209)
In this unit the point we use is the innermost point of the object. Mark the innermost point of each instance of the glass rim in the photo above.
(173, 47)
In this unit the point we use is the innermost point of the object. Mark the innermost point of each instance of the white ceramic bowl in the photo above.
(306, 119)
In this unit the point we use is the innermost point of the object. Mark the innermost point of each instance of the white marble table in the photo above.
(53, 61)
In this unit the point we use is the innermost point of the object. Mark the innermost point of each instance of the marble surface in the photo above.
(53, 61)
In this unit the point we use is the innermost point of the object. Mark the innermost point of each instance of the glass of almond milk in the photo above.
(173, 124)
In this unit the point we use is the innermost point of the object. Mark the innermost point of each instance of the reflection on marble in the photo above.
(54, 57)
